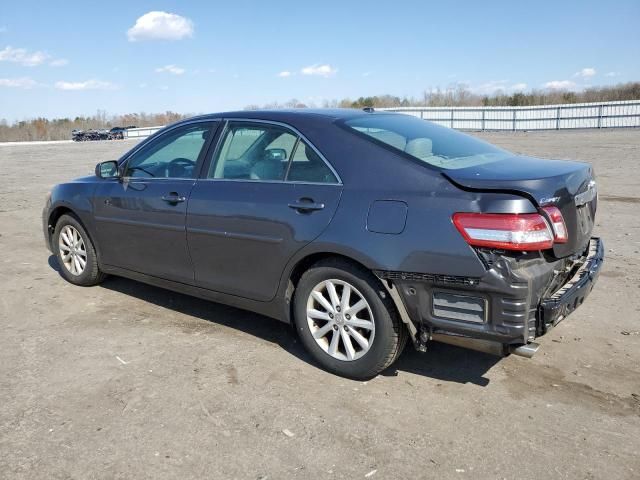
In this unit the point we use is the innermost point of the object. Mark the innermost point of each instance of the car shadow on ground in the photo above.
(441, 362)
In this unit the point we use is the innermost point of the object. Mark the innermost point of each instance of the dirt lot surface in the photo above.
(125, 380)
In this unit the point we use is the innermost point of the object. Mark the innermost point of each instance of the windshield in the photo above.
(430, 143)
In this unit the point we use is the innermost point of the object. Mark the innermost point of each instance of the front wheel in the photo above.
(346, 320)
(75, 252)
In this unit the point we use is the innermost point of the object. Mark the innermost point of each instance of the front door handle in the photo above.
(306, 205)
(173, 197)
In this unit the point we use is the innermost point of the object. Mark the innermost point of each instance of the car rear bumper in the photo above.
(570, 296)
(518, 299)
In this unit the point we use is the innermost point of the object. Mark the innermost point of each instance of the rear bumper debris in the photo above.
(519, 299)
(570, 296)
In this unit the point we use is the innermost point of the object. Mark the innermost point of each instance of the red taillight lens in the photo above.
(561, 235)
(508, 231)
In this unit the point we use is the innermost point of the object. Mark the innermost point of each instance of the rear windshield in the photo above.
(430, 143)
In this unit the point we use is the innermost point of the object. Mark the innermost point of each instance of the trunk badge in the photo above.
(547, 201)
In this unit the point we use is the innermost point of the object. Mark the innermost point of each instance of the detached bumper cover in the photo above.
(570, 296)
(516, 292)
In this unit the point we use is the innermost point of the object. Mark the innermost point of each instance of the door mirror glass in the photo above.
(107, 169)
(275, 154)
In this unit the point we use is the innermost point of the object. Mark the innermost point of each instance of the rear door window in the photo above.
(307, 166)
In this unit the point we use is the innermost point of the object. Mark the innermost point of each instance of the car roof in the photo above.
(291, 115)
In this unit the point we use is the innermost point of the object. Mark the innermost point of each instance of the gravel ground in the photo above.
(125, 380)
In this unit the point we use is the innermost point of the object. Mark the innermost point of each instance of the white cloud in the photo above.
(494, 86)
(366, 74)
(612, 74)
(585, 72)
(87, 85)
(3, 29)
(319, 70)
(163, 87)
(59, 62)
(284, 74)
(22, 56)
(490, 87)
(560, 85)
(22, 82)
(170, 69)
(160, 26)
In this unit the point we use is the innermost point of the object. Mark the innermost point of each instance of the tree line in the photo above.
(460, 96)
(60, 128)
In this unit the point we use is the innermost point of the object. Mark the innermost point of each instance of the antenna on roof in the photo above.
(368, 109)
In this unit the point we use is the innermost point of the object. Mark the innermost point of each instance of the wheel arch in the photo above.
(303, 264)
(64, 209)
(54, 216)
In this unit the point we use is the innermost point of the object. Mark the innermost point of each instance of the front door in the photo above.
(266, 194)
(140, 218)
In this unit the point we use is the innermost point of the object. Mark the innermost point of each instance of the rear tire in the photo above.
(75, 252)
(346, 320)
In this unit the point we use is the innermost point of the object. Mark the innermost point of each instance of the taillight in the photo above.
(557, 221)
(508, 231)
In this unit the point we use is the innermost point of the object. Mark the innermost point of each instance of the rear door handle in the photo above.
(173, 197)
(306, 205)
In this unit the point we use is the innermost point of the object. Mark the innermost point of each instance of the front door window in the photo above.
(173, 155)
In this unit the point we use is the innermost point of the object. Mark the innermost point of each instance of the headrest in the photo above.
(420, 147)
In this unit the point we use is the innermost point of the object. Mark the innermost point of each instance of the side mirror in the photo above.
(107, 169)
(275, 154)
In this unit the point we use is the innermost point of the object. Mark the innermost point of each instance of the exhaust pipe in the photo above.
(526, 351)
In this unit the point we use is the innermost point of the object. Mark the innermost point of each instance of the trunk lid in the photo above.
(570, 186)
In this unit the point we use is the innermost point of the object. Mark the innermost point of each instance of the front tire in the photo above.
(346, 320)
(75, 253)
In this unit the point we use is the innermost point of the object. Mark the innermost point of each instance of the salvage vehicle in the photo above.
(362, 229)
(116, 133)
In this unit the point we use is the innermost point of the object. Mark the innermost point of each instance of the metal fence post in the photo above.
(514, 119)
(452, 118)
(600, 116)
(483, 110)
(558, 118)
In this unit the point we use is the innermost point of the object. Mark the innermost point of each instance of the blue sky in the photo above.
(66, 59)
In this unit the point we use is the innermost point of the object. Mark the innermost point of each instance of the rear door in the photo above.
(265, 194)
(140, 218)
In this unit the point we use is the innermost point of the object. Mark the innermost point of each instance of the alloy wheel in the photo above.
(340, 320)
(72, 250)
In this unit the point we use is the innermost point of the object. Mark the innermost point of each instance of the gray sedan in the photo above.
(365, 230)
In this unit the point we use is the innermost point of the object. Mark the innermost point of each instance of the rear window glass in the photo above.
(430, 143)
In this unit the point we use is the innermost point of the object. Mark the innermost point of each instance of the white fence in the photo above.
(140, 132)
(547, 117)
(543, 117)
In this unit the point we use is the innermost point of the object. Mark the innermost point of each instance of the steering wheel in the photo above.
(173, 165)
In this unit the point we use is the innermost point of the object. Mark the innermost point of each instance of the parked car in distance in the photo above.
(363, 229)
(116, 133)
